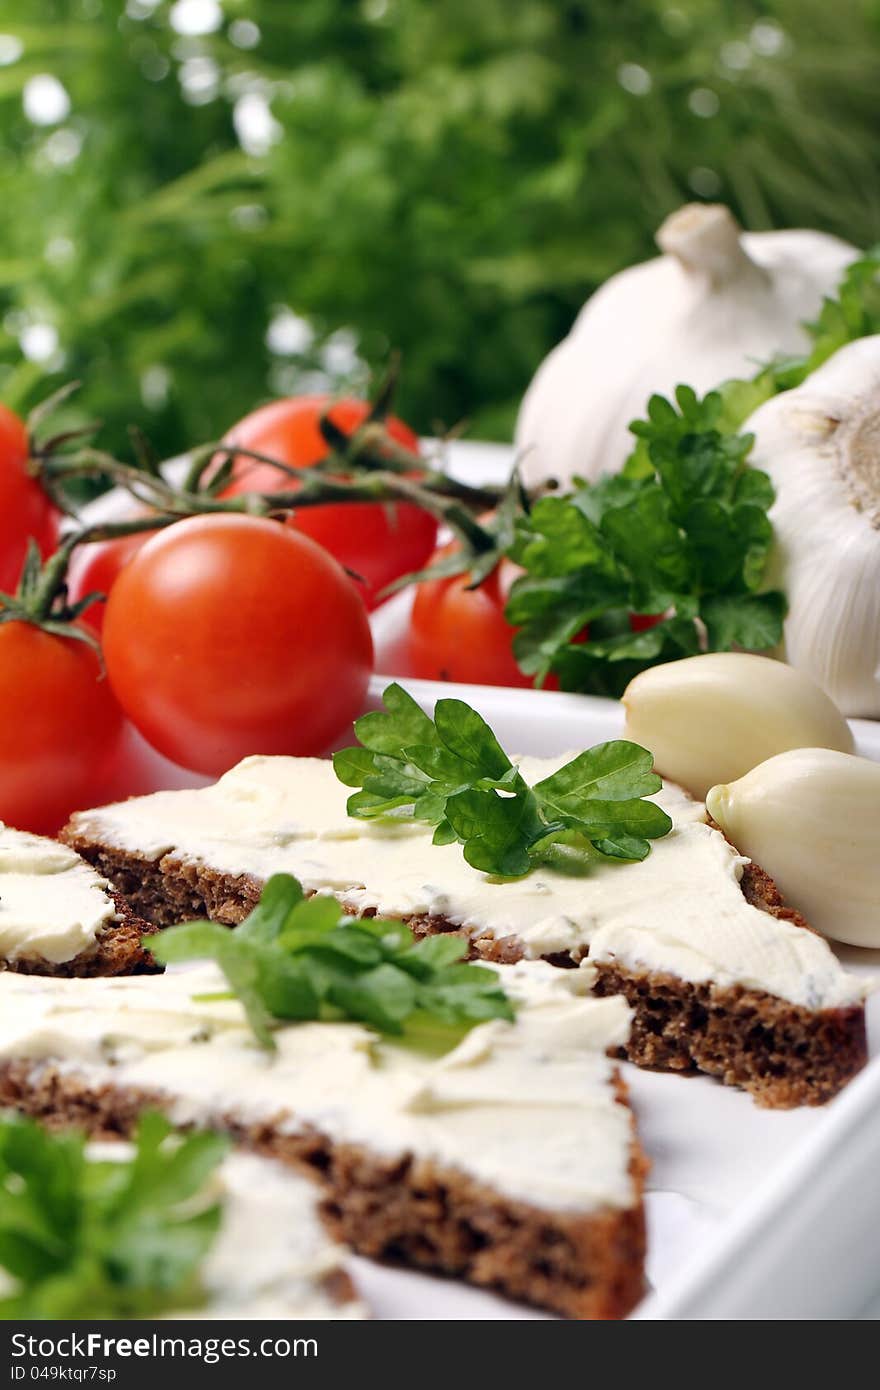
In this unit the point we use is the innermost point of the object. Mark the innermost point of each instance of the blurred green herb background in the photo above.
(204, 203)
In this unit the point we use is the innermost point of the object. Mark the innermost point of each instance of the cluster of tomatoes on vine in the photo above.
(199, 621)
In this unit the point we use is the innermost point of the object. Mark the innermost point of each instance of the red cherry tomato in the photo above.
(229, 635)
(640, 622)
(95, 568)
(25, 509)
(461, 634)
(59, 727)
(377, 541)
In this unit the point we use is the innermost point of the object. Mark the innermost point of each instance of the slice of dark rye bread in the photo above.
(402, 1209)
(476, 1164)
(59, 917)
(117, 950)
(784, 1055)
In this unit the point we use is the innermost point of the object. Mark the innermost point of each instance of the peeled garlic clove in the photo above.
(811, 819)
(711, 718)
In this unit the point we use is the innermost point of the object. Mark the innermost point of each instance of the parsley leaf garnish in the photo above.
(87, 1239)
(682, 533)
(297, 958)
(452, 772)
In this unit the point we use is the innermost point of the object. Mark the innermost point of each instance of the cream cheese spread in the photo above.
(271, 1257)
(528, 1108)
(680, 910)
(52, 904)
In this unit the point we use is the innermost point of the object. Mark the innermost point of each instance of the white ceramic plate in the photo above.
(752, 1213)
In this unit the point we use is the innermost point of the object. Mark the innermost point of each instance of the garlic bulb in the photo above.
(716, 304)
(811, 818)
(712, 718)
(821, 446)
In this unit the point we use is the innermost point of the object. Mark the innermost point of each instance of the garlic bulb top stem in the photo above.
(718, 302)
(706, 239)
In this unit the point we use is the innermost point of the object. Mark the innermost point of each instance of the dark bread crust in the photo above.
(117, 951)
(783, 1054)
(168, 890)
(403, 1208)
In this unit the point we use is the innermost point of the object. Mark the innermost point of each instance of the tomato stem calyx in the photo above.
(41, 597)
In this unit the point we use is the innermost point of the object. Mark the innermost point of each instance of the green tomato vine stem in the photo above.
(367, 466)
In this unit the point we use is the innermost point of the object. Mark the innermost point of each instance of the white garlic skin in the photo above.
(712, 718)
(811, 819)
(820, 444)
(718, 302)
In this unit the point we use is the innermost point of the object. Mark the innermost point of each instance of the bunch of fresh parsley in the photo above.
(303, 958)
(87, 1239)
(681, 534)
(452, 772)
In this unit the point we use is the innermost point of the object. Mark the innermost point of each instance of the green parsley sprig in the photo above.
(87, 1239)
(452, 772)
(682, 534)
(297, 958)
